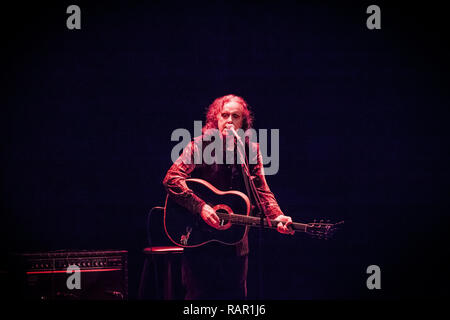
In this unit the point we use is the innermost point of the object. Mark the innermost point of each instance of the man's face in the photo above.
(231, 115)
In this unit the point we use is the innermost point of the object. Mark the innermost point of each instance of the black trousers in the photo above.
(214, 272)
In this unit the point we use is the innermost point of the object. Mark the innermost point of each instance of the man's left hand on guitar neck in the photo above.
(283, 223)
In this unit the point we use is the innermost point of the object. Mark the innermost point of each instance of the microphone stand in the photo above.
(248, 180)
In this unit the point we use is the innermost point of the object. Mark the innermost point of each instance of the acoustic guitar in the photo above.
(188, 230)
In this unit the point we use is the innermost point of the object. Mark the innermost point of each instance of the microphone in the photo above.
(238, 138)
(239, 145)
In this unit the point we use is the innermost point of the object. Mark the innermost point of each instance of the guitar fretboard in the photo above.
(256, 222)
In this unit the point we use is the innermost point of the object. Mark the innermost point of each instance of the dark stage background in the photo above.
(87, 117)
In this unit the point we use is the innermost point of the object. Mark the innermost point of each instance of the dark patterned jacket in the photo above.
(222, 176)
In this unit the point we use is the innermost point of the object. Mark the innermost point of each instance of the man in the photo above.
(216, 271)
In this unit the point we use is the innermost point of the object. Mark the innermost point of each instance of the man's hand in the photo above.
(284, 222)
(209, 216)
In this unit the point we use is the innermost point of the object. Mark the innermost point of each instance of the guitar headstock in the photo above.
(322, 230)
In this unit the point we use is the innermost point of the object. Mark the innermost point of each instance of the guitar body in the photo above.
(188, 230)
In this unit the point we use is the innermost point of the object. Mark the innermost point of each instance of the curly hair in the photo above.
(216, 107)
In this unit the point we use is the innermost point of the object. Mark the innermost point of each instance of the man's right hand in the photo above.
(209, 216)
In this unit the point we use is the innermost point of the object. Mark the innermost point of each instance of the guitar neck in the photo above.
(256, 222)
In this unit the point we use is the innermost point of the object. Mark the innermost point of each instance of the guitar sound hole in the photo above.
(222, 221)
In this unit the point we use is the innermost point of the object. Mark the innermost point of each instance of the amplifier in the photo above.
(73, 275)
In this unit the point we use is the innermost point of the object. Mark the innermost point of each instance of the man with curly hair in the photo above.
(217, 271)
